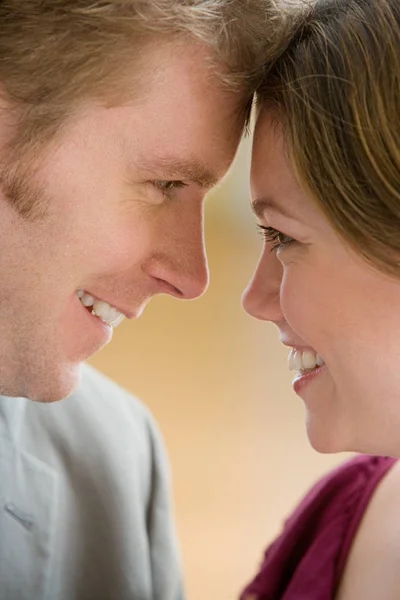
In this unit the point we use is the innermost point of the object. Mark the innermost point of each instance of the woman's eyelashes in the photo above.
(275, 238)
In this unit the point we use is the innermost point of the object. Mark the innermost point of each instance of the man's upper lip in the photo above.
(119, 305)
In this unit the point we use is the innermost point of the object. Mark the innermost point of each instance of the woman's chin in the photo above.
(324, 438)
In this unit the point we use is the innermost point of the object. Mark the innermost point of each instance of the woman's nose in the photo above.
(261, 298)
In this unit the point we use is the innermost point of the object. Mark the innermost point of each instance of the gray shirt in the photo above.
(84, 499)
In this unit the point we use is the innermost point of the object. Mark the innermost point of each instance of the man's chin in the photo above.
(56, 387)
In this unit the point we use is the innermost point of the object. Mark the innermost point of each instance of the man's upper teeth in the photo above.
(86, 299)
(107, 313)
(304, 360)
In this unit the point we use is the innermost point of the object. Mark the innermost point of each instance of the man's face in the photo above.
(115, 228)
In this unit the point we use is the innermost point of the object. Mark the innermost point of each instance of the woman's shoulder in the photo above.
(311, 554)
(372, 568)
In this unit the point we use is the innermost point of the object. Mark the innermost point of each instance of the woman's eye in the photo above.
(276, 238)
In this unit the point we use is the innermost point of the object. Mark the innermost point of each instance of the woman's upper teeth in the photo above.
(107, 313)
(304, 360)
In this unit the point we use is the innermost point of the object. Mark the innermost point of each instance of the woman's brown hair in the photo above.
(336, 90)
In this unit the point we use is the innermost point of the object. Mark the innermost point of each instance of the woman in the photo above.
(326, 192)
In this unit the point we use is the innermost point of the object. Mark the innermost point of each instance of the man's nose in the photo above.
(261, 298)
(183, 264)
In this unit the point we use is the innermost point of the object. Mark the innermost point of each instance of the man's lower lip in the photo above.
(101, 325)
(301, 381)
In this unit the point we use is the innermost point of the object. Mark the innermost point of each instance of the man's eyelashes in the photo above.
(167, 187)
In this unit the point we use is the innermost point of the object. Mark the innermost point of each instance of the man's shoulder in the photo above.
(101, 402)
(100, 428)
(98, 393)
(95, 387)
(99, 414)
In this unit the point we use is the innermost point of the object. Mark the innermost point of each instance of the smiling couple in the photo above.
(117, 117)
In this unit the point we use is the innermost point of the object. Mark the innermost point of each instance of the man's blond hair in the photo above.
(56, 53)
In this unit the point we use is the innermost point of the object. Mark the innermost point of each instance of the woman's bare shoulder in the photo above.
(373, 567)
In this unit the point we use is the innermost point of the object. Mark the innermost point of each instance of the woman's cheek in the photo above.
(296, 302)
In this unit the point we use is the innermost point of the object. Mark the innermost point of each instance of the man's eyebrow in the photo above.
(260, 205)
(178, 168)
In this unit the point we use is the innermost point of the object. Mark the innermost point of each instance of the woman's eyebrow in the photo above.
(260, 205)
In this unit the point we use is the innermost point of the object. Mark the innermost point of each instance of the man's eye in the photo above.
(168, 186)
(276, 238)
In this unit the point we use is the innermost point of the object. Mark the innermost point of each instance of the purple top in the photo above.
(307, 560)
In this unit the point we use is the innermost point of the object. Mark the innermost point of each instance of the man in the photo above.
(116, 119)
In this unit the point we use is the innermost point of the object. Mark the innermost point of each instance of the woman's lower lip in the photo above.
(302, 380)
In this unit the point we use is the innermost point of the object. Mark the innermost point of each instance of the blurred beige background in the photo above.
(218, 384)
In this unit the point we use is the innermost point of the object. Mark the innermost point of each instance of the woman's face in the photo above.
(331, 308)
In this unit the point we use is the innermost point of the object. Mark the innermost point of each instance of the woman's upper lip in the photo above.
(296, 345)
